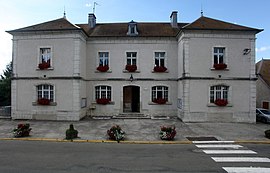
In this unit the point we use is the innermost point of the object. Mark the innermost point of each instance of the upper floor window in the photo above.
(103, 94)
(103, 61)
(45, 94)
(160, 62)
(159, 94)
(132, 28)
(219, 95)
(45, 55)
(131, 65)
(219, 58)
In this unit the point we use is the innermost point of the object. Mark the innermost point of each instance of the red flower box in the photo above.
(160, 100)
(220, 66)
(43, 101)
(103, 101)
(44, 65)
(160, 69)
(131, 68)
(167, 132)
(221, 102)
(102, 68)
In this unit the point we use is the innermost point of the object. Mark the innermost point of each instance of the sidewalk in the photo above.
(139, 130)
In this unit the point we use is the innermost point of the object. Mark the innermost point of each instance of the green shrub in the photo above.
(71, 133)
(267, 133)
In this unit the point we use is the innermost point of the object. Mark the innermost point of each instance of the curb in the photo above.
(124, 142)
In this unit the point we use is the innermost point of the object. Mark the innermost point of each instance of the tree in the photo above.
(5, 86)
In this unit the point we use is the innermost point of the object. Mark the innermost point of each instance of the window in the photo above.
(131, 58)
(45, 92)
(45, 55)
(103, 92)
(218, 92)
(160, 59)
(159, 92)
(103, 58)
(219, 55)
(132, 29)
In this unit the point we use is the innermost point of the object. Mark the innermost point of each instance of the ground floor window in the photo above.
(45, 94)
(103, 92)
(218, 92)
(159, 94)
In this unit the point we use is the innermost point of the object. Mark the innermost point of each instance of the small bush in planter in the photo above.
(22, 130)
(71, 133)
(167, 132)
(267, 133)
(116, 133)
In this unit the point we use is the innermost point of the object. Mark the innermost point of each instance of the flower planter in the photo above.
(220, 66)
(221, 102)
(22, 130)
(159, 69)
(167, 132)
(131, 68)
(116, 133)
(71, 133)
(103, 101)
(43, 101)
(102, 68)
(44, 65)
(160, 101)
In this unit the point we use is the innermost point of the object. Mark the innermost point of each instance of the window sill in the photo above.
(109, 71)
(51, 104)
(167, 71)
(111, 103)
(46, 69)
(126, 71)
(213, 69)
(214, 105)
(167, 103)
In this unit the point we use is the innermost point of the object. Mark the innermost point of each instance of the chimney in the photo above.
(173, 18)
(91, 20)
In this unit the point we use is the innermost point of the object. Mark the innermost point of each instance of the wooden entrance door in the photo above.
(131, 99)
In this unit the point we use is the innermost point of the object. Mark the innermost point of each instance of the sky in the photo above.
(16, 14)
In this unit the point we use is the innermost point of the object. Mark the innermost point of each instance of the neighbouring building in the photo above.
(198, 71)
(263, 84)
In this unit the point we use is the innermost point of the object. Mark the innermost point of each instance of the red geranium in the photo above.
(131, 68)
(103, 101)
(103, 68)
(43, 101)
(221, 102)
(220, 66)
(160, 69)
(160, 100)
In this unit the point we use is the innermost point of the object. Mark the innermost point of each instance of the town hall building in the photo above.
(203, 71)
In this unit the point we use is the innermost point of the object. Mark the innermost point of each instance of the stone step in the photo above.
(131, 116)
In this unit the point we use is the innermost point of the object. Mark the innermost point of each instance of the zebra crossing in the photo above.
(229, 152)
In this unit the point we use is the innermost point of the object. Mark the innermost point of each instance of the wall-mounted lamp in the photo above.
(131, 78)
(246, 51)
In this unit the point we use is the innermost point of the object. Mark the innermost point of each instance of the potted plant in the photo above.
(131, 68)
(116, 133)
(44, 65)
(160, 100)
(103, 101)
(221, 102)
(22, 130)
(160, 69)
(43, 101)
(103, 68)
(167, 132)
(221, 66)
(71, 133)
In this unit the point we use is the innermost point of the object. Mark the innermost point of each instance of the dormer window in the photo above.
(132, 29)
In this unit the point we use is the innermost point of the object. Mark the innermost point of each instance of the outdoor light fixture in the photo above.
(246, 51)
(131, 78)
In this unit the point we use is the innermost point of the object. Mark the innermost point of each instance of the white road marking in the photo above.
(211, 142)
(246, 170)
(241, 159)
(219, 146)
(229, 152)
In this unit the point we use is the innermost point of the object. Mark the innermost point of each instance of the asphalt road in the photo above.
(60, 157)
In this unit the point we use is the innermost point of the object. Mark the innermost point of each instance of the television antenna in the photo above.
(94, 7)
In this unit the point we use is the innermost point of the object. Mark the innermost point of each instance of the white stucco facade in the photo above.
(74, 77)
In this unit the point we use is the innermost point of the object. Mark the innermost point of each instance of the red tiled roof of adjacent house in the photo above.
(144, 29)
(263, 70)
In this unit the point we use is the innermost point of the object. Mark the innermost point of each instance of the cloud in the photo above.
(262, 49)
(88, 5)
